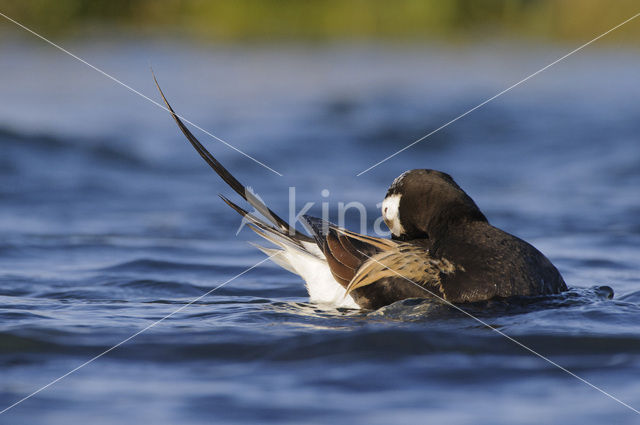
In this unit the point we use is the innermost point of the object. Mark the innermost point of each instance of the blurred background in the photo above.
(325, 20)
(109, 221)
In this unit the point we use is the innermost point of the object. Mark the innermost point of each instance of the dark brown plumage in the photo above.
(447, 249)
(442, 245)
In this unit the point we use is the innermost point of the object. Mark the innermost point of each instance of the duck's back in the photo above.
(492, 263)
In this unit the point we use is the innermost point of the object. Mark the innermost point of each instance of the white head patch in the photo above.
(390, 214)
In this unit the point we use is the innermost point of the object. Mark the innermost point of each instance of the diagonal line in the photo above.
(498, 95)
(515, 341)
(135, 335)
(136, 92)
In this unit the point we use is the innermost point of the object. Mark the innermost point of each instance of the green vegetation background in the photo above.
(327, 20)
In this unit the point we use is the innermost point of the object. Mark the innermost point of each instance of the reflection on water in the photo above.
(109, 222)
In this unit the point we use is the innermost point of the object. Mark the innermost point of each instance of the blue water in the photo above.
(109, 221)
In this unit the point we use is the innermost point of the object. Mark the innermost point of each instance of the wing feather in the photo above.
(406, 261)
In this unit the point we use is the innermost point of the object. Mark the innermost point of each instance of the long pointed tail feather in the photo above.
(299, 253)
(228, 178)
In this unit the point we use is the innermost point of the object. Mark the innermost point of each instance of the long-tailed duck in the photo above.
(442, 246)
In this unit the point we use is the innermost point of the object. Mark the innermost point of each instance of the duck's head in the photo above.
(424, 203)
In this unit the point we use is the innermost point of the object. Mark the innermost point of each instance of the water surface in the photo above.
(109, 221)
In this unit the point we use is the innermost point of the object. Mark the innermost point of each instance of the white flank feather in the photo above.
(308, 262)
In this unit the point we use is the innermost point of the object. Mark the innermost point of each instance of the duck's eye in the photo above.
(384, 212)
